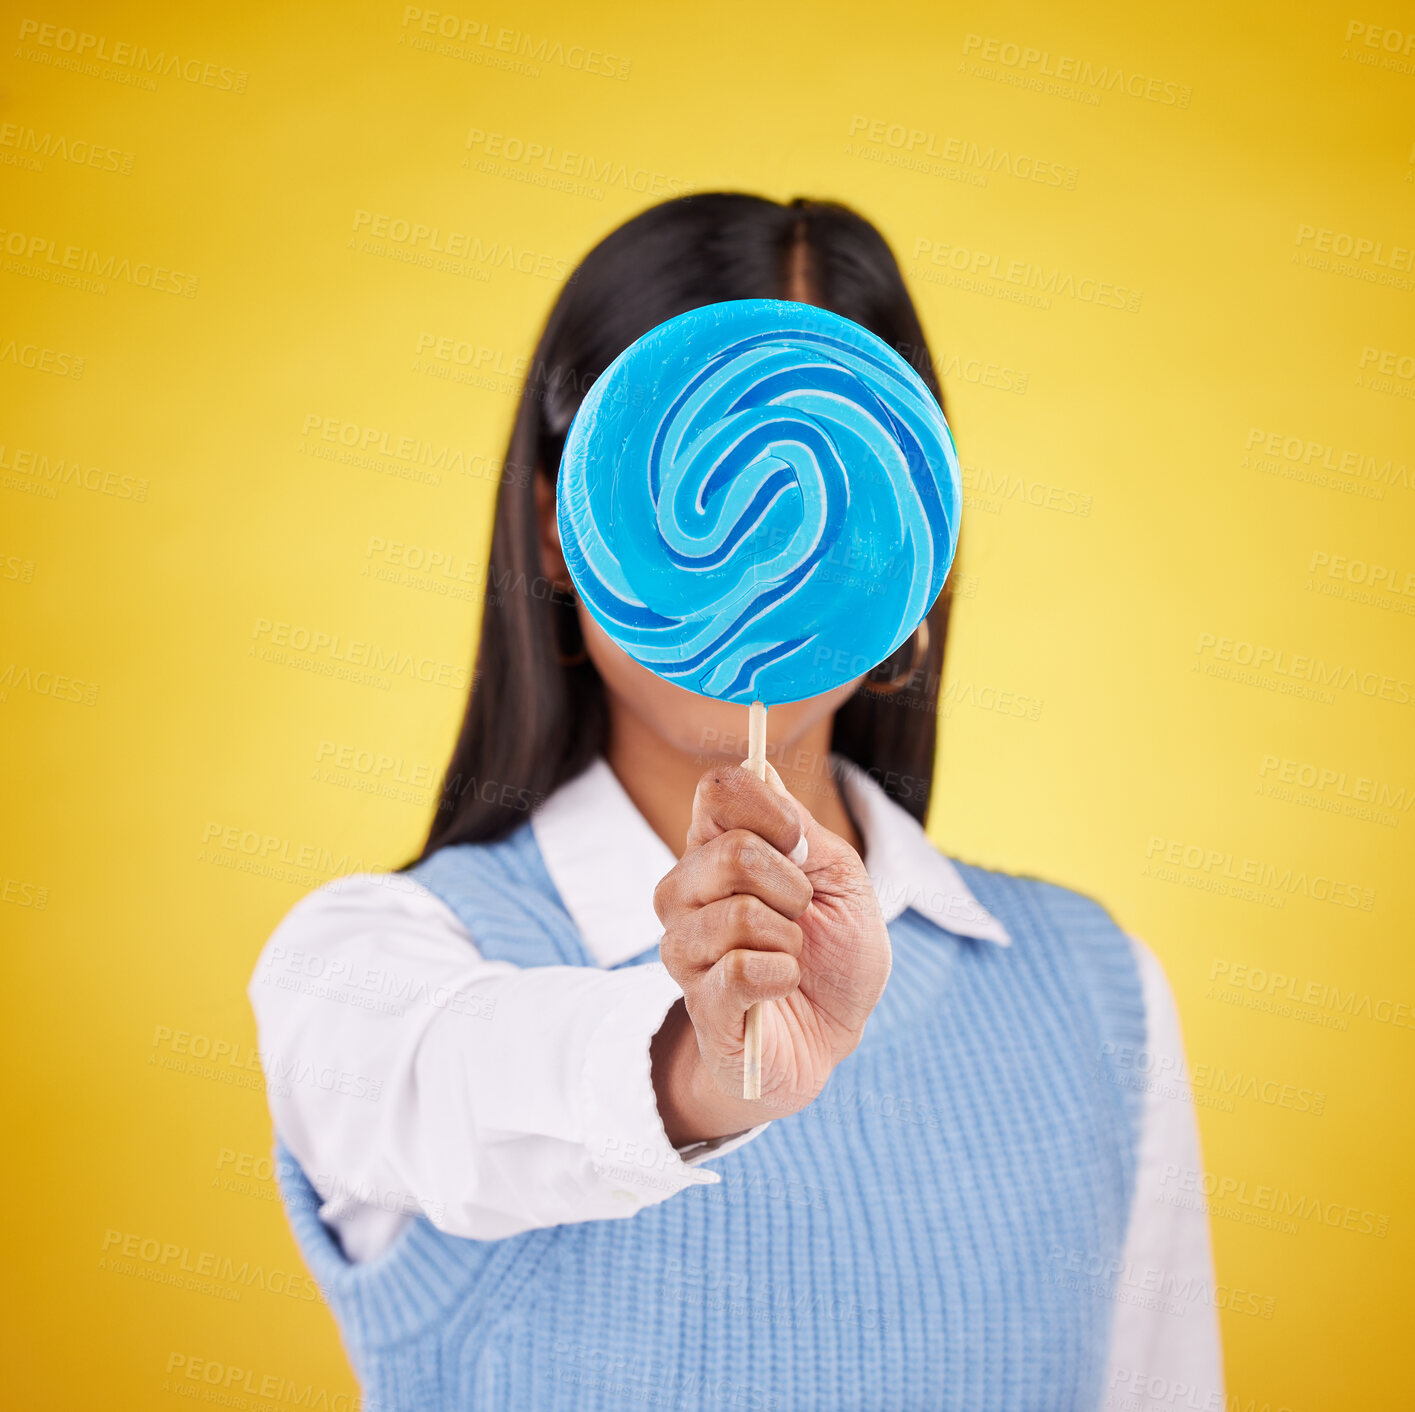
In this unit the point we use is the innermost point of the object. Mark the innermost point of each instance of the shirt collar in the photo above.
(906, 867)
(605, 862)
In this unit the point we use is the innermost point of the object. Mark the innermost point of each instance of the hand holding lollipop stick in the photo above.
(759, 500)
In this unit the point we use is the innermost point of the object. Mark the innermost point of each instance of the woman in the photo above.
(506, 1080)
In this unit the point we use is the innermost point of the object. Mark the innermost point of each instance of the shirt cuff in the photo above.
(627, 1145)
(694, 1152)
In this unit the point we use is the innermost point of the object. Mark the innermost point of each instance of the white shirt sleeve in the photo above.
(407, 1073)
(1165, 1344)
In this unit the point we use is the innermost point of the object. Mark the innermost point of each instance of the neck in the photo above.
(661, 779)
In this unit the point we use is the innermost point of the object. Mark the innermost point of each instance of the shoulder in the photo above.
(365, 898)
(459, 866)
(427, 893)
(495, 885)
(352, 910)
(1059, 925)
(1026, 903)
(504, 896)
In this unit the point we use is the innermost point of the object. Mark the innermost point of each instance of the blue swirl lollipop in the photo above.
(759, 500)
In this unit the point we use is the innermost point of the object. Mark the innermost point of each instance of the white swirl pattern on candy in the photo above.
(759, 500)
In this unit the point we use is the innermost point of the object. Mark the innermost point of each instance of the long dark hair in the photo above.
(534, 722)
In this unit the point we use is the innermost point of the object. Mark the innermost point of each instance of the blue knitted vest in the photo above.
(937, 1230)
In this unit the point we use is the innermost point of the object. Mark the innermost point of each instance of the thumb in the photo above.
(801, 852)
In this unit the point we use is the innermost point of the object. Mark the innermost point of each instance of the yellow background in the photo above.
(135, 1115)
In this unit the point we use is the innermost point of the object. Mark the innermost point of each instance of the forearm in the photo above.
(491, 1098)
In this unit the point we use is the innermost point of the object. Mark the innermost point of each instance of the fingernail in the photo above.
(799, 853)
(774, 780)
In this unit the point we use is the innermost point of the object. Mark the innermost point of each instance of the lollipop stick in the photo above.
(752, 1040)
(756, 739)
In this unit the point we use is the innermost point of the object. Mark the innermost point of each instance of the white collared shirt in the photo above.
(407, 1073)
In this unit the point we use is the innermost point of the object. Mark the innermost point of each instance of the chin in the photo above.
(711, 730)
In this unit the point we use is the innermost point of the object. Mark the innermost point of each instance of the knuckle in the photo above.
(743, 852)
(734, 969)
(673, 894)
(671, 950)
(741, 914)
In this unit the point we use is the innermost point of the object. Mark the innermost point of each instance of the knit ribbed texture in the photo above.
(938, 1230)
